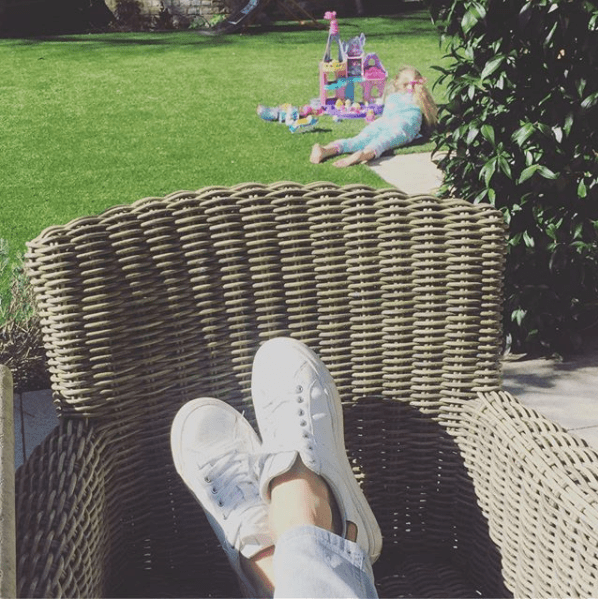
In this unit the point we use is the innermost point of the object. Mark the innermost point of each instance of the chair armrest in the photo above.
(62, 520)
(538, 487)
(8, 570)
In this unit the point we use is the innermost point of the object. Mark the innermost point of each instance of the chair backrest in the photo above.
(149, 305)
(401, 296)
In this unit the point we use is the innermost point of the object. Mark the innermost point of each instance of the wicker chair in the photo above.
(150, 305)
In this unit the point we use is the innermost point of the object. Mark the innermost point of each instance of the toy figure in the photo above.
(303, 124)
(333, 36)
(274, 113)
(298, 121)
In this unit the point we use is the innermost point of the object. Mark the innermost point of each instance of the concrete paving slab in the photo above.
(571, 412)
(588, 434)
(35, 417)
(566, 392)
(412, 173)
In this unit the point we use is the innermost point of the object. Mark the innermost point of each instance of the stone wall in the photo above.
(182, 12)
(142, 14)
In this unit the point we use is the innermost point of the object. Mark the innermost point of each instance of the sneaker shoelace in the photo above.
(237, 495)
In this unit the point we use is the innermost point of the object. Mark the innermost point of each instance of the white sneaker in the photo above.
(214, 449)
(299, 413)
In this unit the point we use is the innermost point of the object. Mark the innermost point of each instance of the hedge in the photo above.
(519, 128)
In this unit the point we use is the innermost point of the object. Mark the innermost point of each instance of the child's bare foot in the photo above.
(343, 162)
(361, 156)
(320, 153)
(317, 154)
(348, 160)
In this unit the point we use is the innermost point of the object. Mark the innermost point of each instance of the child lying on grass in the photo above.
(408, 105)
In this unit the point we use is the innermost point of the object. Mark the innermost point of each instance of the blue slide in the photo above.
(240, 18)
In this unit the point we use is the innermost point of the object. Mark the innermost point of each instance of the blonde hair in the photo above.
(410, 80)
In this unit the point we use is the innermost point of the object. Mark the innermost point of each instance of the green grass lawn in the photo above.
(90, 121)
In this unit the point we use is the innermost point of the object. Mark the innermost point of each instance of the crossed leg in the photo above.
(298, 498)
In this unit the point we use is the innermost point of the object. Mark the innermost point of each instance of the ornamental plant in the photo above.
(520, 131)
(21, 346)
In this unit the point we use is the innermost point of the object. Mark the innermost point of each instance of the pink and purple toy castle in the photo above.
(339, 76)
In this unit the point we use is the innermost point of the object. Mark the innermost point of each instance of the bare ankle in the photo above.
(300, 497)
(259, 569)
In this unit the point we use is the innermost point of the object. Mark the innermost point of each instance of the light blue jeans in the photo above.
(311, 562)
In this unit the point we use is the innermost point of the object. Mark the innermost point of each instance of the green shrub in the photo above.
(520, 130)
(129, 16)
(21, 345)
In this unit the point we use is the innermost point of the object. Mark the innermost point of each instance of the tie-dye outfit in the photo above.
(399, 124)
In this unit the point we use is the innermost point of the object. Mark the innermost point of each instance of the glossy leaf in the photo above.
(522, 93)
(492, 66)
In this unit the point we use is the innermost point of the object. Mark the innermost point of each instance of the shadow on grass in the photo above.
(411, 23)
(170, 38)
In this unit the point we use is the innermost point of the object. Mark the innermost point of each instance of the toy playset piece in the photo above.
(338, 77)
(333, 38)
(303, 125)
(374, 78)
(298, 120)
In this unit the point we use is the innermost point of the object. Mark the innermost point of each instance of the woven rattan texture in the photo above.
(539, 487)
(401, 296)
(149, 305)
